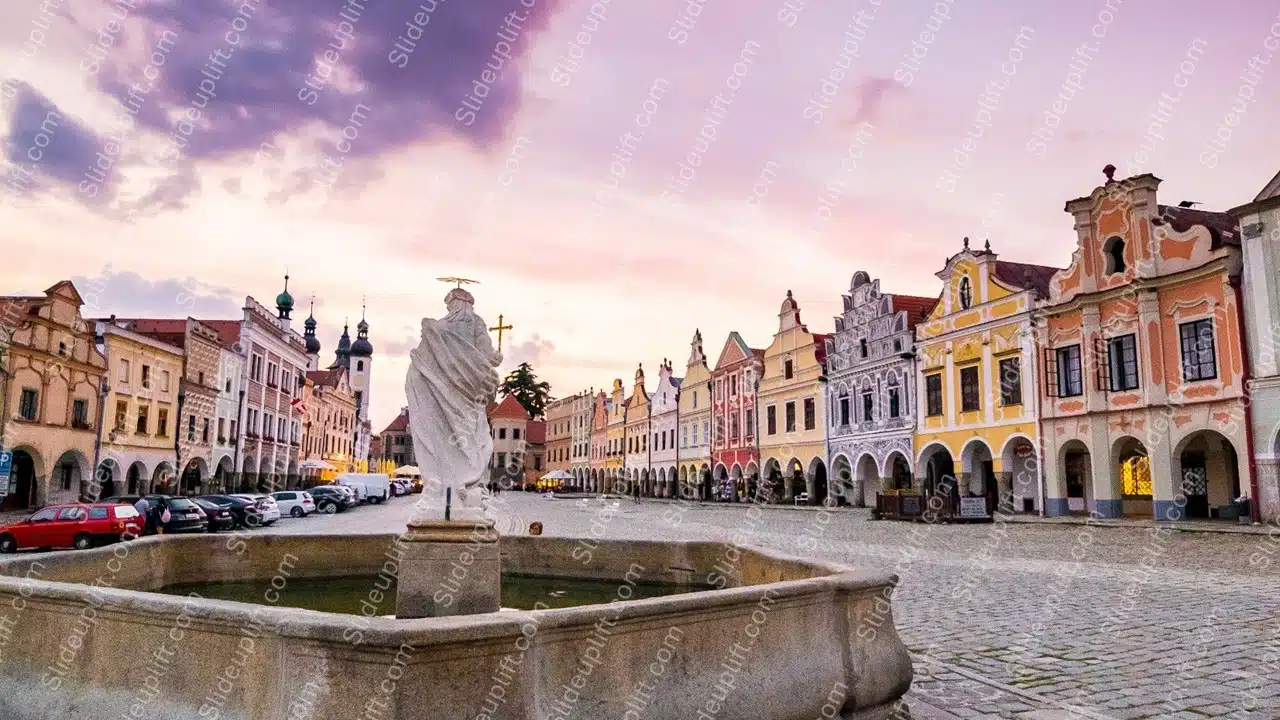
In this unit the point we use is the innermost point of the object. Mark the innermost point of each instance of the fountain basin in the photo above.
(785, 639)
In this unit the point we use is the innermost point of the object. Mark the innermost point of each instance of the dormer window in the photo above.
(966, 293)
(1114, 250)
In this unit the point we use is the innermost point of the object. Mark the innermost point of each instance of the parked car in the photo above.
(220, 516)
(297, 503)
(372, 487)
(331, 499)
(399, 487)
(267, 506)
(79, 526)
(184, 515)
(246, 513)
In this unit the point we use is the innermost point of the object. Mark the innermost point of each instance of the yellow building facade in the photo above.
(139, 430)
(693, 418)
(977, 431)
(791, 428)
(616, 434)
(52, 375)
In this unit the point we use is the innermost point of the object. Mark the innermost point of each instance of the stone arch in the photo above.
(68, 478)
(248, 473)
(222, 473)
(1129, 479)
(137, 479)
(162, 478)
(818, 482)
(24, 481)
(751, 481)
(897, 469)
(193, 477)
(704, 481)
(1075, 469)
(720, 483)
(1019, 478)
(1208, 473)
(793, 480)
(772, 480)
(867, 478)
(673, 486)
(936, 469)
(109, 478)
(846, 490)
(977, 466)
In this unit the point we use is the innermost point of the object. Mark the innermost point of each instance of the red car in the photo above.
(78, 526)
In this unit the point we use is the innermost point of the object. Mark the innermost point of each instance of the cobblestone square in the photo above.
(1004, 619)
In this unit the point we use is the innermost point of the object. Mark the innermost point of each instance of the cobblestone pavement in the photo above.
(1005, 619)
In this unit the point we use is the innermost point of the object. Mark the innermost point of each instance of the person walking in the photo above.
(143, 506)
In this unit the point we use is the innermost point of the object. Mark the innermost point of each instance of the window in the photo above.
(273, 374)
(771, 419)
(1122, 362)
(720, 429)
(844, 409)
(228, 386)
(141, 426)
(62, 348)
(164, 381)
(222, 426)
(199, 377)
(191, 428)
(897, 345)
(27, 405)
(146, 376)
(72, 514)
(122, 415)
(1068, 371)
(233, 431)
(502, 433)
(1010, 381)
(734, 427)
(255, 368)
(123, 375)
(791, 416)
(733, 386)
(515, 433)
(970, 390)
(44, 515)
(868, 406)
(810, 414)
(933, 394)
(966, 293)
(1114, 249)
(204, 432)
(97, 513)
(787, 370)
(751, 423)
(80, 414)
(695, 398)
(862, 348)
(895, 400)
(359, 366)
(1198, 361)
(706, 432)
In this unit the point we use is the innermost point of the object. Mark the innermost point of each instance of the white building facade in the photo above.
(664, 409)
(871, 390)
(693, 455)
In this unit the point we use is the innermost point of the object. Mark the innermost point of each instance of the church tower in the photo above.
(360, 366)
(309, 336)
(284, 305)
(342, 354)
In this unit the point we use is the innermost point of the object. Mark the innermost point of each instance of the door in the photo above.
(1195, 485)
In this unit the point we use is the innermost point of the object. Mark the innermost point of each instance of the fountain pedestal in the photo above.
(449, 567)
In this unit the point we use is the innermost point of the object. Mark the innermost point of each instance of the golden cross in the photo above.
(499, 328)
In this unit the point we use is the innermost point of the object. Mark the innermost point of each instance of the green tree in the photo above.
(530, 393)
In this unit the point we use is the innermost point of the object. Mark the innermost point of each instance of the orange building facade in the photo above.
(1143, 405)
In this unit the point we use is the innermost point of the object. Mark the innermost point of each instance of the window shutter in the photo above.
(1050, 372)
(1102, 356)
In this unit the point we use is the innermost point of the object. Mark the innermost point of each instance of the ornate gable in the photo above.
(735, 350)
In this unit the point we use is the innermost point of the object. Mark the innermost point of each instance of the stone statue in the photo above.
(451, 381)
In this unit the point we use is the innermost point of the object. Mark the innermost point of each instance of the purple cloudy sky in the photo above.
(971, 117)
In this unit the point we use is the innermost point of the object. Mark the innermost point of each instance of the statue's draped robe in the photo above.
(450, 383)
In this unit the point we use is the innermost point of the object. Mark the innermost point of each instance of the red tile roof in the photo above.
(400, 424)
(820, 347)
(1222, 227)
(324, 378)
(917, 307)
(1026, 276)
(509, 409)
(536, 432)
(228, 330)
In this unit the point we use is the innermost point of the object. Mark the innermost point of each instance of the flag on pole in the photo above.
(298, 406)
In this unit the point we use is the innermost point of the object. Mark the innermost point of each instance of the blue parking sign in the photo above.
(6, 468)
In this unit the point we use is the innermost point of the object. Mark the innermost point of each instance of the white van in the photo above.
(370, 487)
